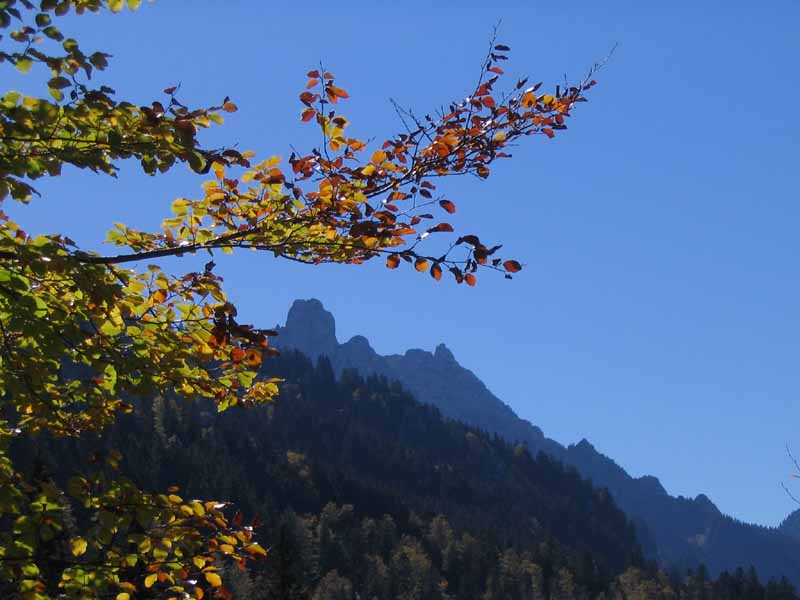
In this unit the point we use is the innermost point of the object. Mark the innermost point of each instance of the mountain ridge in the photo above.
(675, 530)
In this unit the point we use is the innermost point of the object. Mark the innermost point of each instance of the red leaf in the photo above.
(470, 279)
(512, 266)
(446, 227)
(548, 132)
(237, 354)
(308, 114)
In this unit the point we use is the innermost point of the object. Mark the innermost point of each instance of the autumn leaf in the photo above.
(448, 206)
(421, 264)
(78, 546)
(512, 266)
(392, 261)
(470, 279)
(436, 271)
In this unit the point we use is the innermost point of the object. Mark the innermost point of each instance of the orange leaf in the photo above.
(488, 102)
(421, 264)
(436, 272)
(392, 261)
(229, 107)
(528, 100)
(379, 156)
(338, 92)
(448, 206)
(512, 266)
(237, 354)
(470, 279)
(548, 132)
(308, 114)
(253, 358)
(311, 83)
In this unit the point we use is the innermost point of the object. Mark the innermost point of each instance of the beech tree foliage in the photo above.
(83, 333)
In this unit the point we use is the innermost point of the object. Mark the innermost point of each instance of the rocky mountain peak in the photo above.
(443, 354)
(309, 328)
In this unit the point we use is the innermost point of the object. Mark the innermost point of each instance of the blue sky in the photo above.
(657, 314)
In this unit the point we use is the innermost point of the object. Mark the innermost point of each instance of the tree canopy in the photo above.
(82, 335)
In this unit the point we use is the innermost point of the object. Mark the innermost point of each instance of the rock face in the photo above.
(677, 531)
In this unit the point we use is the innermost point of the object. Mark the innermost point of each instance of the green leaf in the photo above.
(197, 162)
(11, 99)
(53, 33)
(24, 64)
(56, 94)
(59, 83)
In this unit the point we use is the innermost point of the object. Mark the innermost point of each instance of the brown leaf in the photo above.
(470, 279)
(512, 266)
(448, 206)
(392, 261)
(308, 114)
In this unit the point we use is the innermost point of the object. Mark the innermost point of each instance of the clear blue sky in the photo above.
(658, 311)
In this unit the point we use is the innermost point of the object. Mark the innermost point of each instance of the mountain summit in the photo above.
(674, 530)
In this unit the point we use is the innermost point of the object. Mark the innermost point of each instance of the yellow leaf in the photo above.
(256, 549)
(213, 579)
(199, 562)
(123, 596)
(150, 580)
(78, 546)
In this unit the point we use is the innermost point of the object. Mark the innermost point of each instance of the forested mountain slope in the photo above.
(365, 493)
(677, 531)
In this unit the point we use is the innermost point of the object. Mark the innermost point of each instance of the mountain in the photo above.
(791, 525)
(676, 531)
(363, 492)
